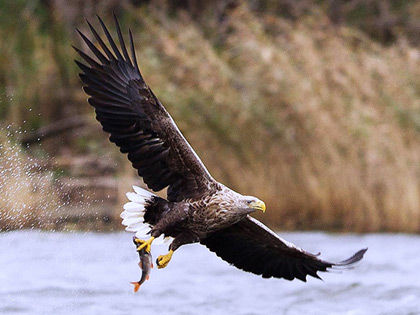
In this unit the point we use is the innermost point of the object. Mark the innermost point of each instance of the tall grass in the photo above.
(319, 121)
(36, 71)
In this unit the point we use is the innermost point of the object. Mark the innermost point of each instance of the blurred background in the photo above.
(313, 106)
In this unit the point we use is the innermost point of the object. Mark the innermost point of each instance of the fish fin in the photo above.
(136, 286)
(151, 265)
(141, 264)
(147, 277)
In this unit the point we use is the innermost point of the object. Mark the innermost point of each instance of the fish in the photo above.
(145, 264)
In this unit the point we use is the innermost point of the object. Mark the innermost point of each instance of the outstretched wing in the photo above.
(251, 246)
(137, 122)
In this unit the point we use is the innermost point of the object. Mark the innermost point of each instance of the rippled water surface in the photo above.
(89, 273)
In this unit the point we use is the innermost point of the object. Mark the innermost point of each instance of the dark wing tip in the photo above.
(93, 48)
(353, 259)
(121, 39)
(133, 51)
(78, 31)
(110, 39)
(316, 275)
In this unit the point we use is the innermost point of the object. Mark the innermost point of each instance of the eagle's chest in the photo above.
(211, 215)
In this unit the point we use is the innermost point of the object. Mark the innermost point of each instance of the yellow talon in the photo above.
(143, 244)
(163, 260)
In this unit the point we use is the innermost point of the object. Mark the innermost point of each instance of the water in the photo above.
(89, 273)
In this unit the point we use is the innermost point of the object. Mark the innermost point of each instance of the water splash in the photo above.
(55, 193)
(28, 196)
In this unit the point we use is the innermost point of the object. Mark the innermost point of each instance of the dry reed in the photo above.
(320, 122)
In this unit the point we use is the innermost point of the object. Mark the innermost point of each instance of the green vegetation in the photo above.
(319, 118)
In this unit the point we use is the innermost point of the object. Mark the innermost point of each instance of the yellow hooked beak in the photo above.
(258, 205)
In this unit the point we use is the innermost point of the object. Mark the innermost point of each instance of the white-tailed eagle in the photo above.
(197, 207)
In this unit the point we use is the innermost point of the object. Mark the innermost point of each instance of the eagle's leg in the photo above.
(182, 239)
(144, 243)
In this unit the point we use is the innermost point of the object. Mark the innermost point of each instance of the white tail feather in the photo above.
(134, 212)
(134, 206)
(143, 192)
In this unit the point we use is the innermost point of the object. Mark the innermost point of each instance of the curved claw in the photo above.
(163, 260)
(144, 244)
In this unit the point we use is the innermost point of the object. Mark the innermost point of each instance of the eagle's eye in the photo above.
(249, 202)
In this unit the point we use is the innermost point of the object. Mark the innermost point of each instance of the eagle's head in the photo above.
(253, 203)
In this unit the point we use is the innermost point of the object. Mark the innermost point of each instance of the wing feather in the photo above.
(251, 246)
(136, 120)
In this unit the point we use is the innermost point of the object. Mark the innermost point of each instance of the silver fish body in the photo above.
(146, 265)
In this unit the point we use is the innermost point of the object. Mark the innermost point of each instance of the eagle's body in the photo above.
(216, 211)
(197, 207)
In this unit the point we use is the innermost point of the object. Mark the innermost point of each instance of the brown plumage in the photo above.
(197, 208)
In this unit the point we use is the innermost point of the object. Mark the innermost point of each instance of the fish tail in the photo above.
(136, 286)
